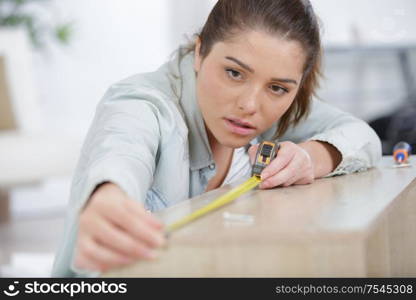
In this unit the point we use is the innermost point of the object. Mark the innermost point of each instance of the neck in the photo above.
(213, 142)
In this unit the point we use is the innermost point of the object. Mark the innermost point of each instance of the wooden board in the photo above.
(358, 225)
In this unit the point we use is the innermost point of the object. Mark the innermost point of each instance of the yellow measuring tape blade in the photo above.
(217, 203)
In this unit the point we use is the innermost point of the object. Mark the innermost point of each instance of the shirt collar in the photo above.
(200, 154)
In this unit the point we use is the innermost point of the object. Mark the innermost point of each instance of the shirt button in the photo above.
(212, 166)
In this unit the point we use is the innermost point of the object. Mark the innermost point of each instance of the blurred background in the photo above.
(57, 58)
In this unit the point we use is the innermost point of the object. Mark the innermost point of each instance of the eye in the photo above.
(278, 90)
(233, 74)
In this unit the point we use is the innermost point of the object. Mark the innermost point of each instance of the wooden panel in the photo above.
(356, 225)
(401, 218)
(4, 206)
(7, 120)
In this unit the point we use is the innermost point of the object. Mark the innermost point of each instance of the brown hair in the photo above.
(291, 19)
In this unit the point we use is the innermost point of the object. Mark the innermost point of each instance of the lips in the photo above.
(241, 123)
(239, 127)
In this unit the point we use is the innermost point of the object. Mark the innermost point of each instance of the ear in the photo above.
(197, 61)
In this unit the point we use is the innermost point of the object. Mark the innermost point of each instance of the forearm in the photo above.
(325, 157)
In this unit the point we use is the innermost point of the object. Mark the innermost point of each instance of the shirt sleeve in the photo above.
(357, 142)
(120, 147)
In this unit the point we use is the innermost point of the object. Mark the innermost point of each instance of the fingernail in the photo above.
(264, 176)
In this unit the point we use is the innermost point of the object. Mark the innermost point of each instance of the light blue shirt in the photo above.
(148, 136)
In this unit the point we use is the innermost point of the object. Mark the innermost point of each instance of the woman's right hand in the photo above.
(115, 230)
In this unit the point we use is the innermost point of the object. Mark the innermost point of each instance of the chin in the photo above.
(234, 142)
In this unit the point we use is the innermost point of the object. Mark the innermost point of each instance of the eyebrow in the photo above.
(250, 69)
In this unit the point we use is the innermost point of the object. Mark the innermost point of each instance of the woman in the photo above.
(162, 137)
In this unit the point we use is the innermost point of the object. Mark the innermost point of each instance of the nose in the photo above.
(248, 102)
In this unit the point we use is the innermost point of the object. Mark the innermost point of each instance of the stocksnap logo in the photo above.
(11, 291)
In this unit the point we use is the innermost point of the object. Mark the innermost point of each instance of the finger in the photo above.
(296, 172)
(290, 181)
(135, 226)
(305, 180)
(143, 232)
(119, 241)
(287, 152)
(277, 179)
(252, 152)
(138, 209)
(276, 166)
(82, 263)
(289, 174)
(130, 206)
(100, 258)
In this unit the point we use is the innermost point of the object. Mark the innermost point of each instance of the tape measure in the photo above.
(266, 152)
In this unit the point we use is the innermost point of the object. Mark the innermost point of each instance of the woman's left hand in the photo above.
(292, 165)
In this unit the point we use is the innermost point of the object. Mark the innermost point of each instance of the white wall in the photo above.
(374, 21)
(117, 38)
(113, 39)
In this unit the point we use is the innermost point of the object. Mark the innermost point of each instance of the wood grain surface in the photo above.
(357, 225)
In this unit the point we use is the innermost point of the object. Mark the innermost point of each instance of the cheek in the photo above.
(274, 111)
(213, 90)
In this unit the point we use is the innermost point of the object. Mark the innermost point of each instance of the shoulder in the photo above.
(160, 87)
(152, 87)
(145, 97)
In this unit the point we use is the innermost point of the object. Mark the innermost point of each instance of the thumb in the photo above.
(252, 152)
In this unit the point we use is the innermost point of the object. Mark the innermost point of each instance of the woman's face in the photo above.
(246, 84)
